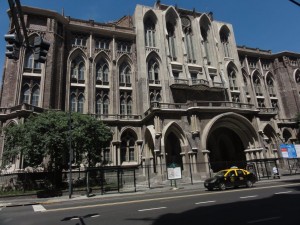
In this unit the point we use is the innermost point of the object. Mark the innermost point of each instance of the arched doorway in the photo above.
(225, 148)
(173, 150)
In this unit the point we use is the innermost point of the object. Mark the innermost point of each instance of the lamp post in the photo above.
(70, 152)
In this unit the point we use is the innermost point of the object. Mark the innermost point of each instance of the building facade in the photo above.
(171, 83)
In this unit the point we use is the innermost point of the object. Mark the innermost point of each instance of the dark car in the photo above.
(233, 177)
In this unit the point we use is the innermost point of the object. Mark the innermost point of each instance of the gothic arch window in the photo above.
(26, 94)
(270, 86)
(29, 64)
(102, 104)
(232, 78)
(205, 33)
(102, 72)
(171, 40)
(224, 36)
(257, 85)
(125, 74)
(188, 40)
(155, 96)
(35, 96)
(77, 101)
(153, 72)
(150, 33)
(78, 70)
(126, 104)
(30, 93)
(128, 150)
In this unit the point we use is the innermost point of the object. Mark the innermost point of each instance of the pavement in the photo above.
(32, 200)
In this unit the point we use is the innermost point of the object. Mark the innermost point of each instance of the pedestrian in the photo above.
(275, 173)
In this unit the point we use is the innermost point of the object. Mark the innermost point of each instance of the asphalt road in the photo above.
(267, 203)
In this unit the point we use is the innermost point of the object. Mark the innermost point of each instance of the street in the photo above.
(266, 203)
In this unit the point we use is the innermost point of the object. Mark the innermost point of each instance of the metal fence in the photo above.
(102, 180)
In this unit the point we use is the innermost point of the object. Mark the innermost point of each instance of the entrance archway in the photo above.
(227, 136)
(225, 147)
(173, 150)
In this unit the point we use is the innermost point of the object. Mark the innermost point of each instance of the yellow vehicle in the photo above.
(233, 177)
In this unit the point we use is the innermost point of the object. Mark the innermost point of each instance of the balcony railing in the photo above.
(266, 110)
(199, 81)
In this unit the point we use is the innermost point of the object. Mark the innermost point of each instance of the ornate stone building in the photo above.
(171, 83)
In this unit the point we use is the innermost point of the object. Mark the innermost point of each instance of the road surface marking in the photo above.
(264, 220)
(38, 208)
(284, 192)
(94, 216)
(198, 203)
(142, 210)
(251, 196)
(166, 198)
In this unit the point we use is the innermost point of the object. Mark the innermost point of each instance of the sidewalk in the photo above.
(25, 200)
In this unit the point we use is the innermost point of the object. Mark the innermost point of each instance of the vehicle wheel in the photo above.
(210, 189)
(249, 184)
(222, 186)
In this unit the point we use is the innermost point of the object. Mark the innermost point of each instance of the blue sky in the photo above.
(265, 24)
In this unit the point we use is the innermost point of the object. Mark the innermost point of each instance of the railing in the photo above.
(267, 110)
(154, 81)
(218, 84)
(199, 81)
(117, 117)
(181, 81)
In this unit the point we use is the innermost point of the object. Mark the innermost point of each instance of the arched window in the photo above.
(26, 94)
(204, 33)
(125, 73)
(232, 79)
(257, 85)
(80, 103)
(129, 106)
(29, 64)
(35, 96)
(270, 86)
(77, 101)
(128, 150)
(105, 105)
(102, 72)
(81, 71)
(153, 72)
(29, 94)
(188, 41)
(171, 41)
(73, 103)
(102, 104)
(224, 36)
(98, 105)
(125, 104)
(78, 70)
(150, 33)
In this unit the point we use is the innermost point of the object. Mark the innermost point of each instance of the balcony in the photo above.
(265, 110)
(204, 106)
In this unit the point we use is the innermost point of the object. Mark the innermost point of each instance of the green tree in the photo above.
(47, 135)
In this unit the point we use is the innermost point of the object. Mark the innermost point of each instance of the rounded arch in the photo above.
(244, 128)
